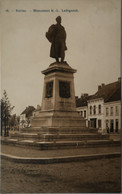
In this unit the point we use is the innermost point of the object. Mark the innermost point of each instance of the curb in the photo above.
(82, 158)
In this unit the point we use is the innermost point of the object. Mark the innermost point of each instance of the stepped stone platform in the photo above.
(58, 138)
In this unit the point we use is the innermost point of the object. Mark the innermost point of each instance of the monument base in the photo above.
(58, 119)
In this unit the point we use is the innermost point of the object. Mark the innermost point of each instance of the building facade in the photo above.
(112, 116)
(96, 113)
(82, 108)
(83, 112)
(103, 109)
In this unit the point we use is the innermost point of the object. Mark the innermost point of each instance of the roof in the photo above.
(28, 111)
(109, 92)
(82, 101)
(115, 96)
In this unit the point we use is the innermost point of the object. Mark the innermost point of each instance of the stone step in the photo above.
(61, 144)
(59, 130)
(68, 137)
(58, 137)
(19, 135)
(28, 135)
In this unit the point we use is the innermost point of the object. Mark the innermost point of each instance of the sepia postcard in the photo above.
(60, 96)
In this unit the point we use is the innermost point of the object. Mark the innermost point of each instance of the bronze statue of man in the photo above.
(57, 36)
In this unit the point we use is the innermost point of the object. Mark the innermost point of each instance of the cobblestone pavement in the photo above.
(100, 176)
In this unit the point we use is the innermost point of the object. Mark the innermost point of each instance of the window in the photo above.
(90, 110)
(94, 110)
(107, 122)
(111, 111)
(117, 125)
(99, 123)
(84, 113)
(81, 113)
(111, 125)
(116, 110)
(107, 112)
(99, 109)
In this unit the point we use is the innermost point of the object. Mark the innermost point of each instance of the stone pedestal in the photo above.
(58, 107)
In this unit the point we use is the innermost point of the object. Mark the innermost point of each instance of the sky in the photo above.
(93, 42)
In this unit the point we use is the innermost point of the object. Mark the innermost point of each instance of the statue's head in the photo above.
(58, 19)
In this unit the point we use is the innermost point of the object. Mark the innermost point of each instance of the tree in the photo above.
(14, 121)
(6, 110)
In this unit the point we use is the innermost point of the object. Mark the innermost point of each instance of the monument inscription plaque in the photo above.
(49, 89)
(64, 89)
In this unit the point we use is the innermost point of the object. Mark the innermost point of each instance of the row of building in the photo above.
(101, 110)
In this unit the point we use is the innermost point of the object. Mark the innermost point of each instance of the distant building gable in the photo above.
(28, 111)
(82, 101)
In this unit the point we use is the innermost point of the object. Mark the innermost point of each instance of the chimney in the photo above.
(85, 95)
(103, 84)
(99, 87)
